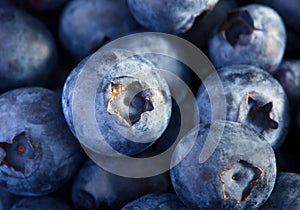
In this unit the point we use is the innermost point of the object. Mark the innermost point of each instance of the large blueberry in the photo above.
(156, 201)
(38, 203)
(253, 97)
(239, 173)
(38, 153)
(95, 188)
(253, 34)
(175, 16)
(116, 102)
(86, 24)
(286, 193)
(288, 74)
(27, 50)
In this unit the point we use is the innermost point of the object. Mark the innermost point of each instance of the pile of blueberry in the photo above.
(91, 122)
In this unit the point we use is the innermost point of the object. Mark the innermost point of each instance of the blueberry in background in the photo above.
(165, 201)
(253, 97)
(27, 50)
(286, 193)
(6, 200)
(253, 35)
(94, 188)
(38, 152)
(240, 173)
(40, 5)
(85, 25)
(38, 203)
(174, 17)
(132, 102)
(288, 74)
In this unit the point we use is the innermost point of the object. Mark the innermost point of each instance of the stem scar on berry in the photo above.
(236, 24)
(258, 115)
(129, 102)
(238, 180)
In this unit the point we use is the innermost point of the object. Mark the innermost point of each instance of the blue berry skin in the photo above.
(39, 5)
(288, 10)
(27, 50)
(94, 188)
(38, 203)
(288, 74)
(253, 35)
(38, 152)
(6, 200)
(175, 16)
(239, 174)
(86, 24)
(253, 97)
(286, 193)
(117, 78)
(165, 201)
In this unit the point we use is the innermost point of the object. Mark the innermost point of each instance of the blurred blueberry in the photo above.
(129, 98)
(288, 10)
(39, 5)
(238, 174)
(38, 153)
(27, 50)
(253, 97)
(39, 203)
(86, 24)
(6, 200)
(253, 34)
(286, 193)
(288, 74)
(175, 16)
(165, 201)
(94, 188)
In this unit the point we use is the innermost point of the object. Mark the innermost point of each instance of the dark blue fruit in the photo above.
(85, 25)
(286, 193)
(94, 188)
(38, 153)
(39, 203)
(253, 97)
(27, 50)
(253, 35)
(155, 201)
(175, 16)
(224, 165)
(115, 102)
(6, 199)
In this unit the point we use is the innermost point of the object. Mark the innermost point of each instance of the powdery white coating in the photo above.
(286, 193)
(176, 16)
(165, 201)
(115, 67)
(27, 50)
(238, 81)
(206, 185)
(86, 24)
(266, 46)
(95, 188)
(38, 203)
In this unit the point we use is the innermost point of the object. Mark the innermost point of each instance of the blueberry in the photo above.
(253, 35)
(95, 188)
(38, 152)
(286, 193)
(38, 203)
(239, 174)
(175, 16)
(39, 5)
(288, 74)
(253, 97)
(6, 200)
(165, 201)
(125, 95)
(86, 24)
(27, 50)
